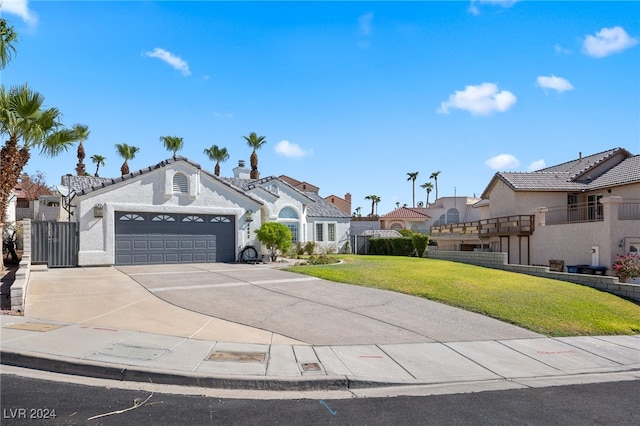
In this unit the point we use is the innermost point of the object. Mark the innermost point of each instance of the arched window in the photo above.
(289, 217)
(288, 213)
(453, 216)
(180, 184)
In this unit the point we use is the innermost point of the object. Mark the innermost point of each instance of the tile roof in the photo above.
(407, 213)
(606, 169)
(322, 208)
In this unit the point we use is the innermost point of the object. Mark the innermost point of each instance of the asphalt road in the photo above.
(30, 401)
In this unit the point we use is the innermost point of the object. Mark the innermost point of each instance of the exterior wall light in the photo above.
(98, 210)
(248, 216)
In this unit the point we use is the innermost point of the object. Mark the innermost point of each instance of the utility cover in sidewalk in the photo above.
(310, 366)
(238, 356)
(34, 326)
(135, 352)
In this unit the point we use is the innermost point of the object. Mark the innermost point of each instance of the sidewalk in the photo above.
(117, 329)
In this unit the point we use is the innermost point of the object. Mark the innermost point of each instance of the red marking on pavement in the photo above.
(370, 356)
(556, 352)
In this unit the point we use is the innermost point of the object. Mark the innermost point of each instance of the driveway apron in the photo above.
(312, 310)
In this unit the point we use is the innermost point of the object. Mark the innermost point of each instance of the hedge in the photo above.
(399, 246)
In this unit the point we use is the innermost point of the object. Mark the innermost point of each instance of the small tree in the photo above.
(276, 236)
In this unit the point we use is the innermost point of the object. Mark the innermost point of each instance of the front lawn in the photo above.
(550, 307)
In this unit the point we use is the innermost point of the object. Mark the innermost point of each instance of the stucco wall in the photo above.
(342, 234)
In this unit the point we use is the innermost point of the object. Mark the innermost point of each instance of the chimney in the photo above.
(347, 197)
(580, 156)
(241, 172)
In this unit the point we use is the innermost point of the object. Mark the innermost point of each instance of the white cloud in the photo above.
(171, 59)
(561, 50)
(291, 150)
(608, 41)
(504, 3)
(556, 83)
(482, 99)
(20, 8)
(364, 23)
(537, 165)
(503, 162)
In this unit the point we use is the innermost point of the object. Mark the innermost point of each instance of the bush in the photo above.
(420, 242)
(400, 246)
(627, 266)
(310, 247)
(299, 249)
(406, 232)
(276, 236)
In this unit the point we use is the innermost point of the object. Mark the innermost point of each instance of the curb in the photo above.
(125, 373)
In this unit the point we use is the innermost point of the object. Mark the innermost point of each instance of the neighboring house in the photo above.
(176, 212)
(442, 211)
(343, 204)
(413, 218)
(582, 212)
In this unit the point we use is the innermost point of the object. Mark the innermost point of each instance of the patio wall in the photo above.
(499, 261)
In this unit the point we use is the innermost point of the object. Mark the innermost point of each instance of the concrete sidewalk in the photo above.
(99, 322)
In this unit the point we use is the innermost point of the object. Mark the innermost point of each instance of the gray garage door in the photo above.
(148, 238)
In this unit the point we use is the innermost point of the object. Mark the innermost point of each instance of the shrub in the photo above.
(627, 266)
(406, 232)
(276, 236)
(400, 246)
(310, 247)
(299, 250)
(420, 242)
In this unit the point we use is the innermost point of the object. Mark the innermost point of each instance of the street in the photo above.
(28, 401)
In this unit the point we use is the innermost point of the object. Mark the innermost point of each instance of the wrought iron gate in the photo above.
(54, 243)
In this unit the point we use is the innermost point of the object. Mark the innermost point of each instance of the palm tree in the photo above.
(219, 155)
(82, 133)
(127, 152)
(172, 143)
(98, 160)
(434, 176)
(8, 40)
(22, 118)
(256, 142)
(412, 177)
(429, 187)
(358, 210)
(374, 202)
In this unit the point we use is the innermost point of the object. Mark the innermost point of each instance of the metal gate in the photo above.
(54, 243)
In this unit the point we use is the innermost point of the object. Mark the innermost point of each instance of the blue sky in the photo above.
(351, 96)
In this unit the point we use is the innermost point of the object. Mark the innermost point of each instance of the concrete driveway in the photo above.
(311, 310)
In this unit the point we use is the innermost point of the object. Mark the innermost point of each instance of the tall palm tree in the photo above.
(98, 160)
(8, 41)
(82, 133)
(219, 155)
(256, 142)
(374, 202)
(26, 125)
(172, 143)
(412, 177)
(429, 187)
(127, 152)
(434, 176)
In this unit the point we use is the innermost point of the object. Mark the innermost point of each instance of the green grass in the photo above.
(550, 307)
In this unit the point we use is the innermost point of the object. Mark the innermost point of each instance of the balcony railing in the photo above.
(629, 210)
(574, 213)
(496, 226)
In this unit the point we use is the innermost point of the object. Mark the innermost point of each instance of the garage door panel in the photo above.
(151, 238)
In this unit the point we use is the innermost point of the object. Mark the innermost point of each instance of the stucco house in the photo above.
(176, 212)
(581, 212)
(444, 210)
